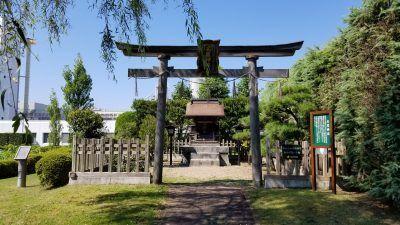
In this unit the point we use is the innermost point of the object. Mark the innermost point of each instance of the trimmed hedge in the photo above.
(15, 139)
(53, 169)
(9, 167)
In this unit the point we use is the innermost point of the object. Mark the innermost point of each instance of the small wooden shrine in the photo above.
(205, 115)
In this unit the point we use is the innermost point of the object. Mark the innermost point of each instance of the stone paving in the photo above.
(206, 195)
(206, 204)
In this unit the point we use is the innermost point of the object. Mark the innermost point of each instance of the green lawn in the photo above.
(83, 204)
(306, 207)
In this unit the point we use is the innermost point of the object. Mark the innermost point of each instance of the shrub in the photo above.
(86, 123)
(386, 183)
(15, 139)
(8, 168)
(31, 162)
(53, 169)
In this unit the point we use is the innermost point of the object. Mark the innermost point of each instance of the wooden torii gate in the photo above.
(163, 71)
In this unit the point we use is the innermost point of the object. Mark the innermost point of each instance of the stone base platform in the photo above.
(109, 178)
(282, 181)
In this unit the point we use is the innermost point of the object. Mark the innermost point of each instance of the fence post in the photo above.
(128, 155)
(137, 170)
(83, 163)
(278, 159)
(147, 156)
(74, 150)
(111, 151)
(91, 155)
(119, 155)
(267, 158)
(101, 155)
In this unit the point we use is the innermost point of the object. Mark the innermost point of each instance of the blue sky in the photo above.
(250, 22)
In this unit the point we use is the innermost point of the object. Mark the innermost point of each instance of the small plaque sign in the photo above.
(291, 151)
(22, 153)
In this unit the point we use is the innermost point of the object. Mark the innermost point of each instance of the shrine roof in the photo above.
(204, 108)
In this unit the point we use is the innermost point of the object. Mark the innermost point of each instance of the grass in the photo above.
(297, 207)
(81, 204)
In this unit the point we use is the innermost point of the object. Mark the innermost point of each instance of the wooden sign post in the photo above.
(322, 136)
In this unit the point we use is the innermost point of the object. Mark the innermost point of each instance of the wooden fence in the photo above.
(93, 155)
(301, 166)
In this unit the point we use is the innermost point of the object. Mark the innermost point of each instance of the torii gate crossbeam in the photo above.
(251, 53)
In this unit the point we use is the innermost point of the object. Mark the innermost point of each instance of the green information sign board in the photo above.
(321, 130)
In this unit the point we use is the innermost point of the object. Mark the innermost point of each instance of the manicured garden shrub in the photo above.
(15, 139)
(53, 169)
(31, 162)
(8, 168)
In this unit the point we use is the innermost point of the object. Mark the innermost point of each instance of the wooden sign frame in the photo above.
(331, 146)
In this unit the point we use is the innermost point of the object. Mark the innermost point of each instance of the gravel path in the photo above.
(206, 204)
(207, 173)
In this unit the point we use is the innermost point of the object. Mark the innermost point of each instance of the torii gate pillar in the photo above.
(161, 108)
(254, 122)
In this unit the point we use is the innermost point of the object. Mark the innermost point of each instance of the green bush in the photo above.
(386, 183)
(8, 168)
(15, 139)
(53, 169)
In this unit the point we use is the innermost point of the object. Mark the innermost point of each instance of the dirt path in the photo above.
(206, 204)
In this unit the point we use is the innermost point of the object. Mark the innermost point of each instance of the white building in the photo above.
(41, 128)
(9, 80)
(195, 86)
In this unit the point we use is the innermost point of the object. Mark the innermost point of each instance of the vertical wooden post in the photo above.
(83, 165)
(128, 156)
(278, 159)
(101, 155)
(333, 155)
(111, 158)
(161, 106)
(254, 122)
(92, 155)
(137, 163)
(147, 156)
(74, 153)
(268, 156)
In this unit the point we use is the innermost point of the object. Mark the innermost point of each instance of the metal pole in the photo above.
(27, 77)
(170, 150)
(161, 107)
(21, 173)
(254, 122)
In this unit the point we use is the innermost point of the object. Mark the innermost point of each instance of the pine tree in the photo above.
(55, 120)
(182, 91)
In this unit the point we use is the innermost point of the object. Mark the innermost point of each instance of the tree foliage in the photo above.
(55, 120)
(122, 19)
(86, 123)
(77, 88)
(213, 87)
(356, 74)
(181, 91)
(286, 117)
(126, 125)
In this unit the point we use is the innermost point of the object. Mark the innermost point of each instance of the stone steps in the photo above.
(204, 162)
(204, 156)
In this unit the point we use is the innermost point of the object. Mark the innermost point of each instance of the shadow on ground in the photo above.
(129, 207)
(307, 207)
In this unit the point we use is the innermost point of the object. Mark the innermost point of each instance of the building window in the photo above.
(64, 137)
(45, 137)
